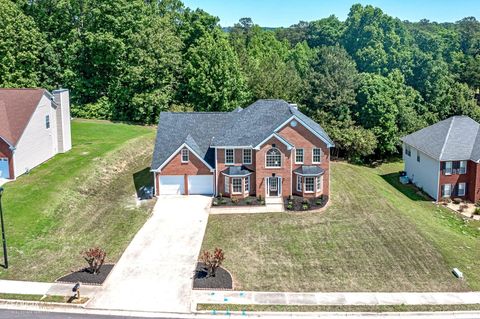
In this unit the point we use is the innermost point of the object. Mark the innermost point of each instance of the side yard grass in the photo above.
(83, 198)
(376, 235)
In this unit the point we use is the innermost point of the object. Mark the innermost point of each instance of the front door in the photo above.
(274, 186)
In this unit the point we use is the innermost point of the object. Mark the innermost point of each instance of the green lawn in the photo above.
(83, 198)
(377, 235)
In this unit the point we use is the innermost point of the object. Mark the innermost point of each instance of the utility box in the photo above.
(457, 273)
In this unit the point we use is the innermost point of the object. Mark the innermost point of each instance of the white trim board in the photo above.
(159, 169)
(294, 117)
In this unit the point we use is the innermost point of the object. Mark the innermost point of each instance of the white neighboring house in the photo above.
(444, 159)
(34, 127)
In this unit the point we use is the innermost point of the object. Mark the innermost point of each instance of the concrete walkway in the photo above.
(334, 298)
(272, 205)
(44, 288)
(156, 270)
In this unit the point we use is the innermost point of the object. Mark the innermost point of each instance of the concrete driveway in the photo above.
(155, 272)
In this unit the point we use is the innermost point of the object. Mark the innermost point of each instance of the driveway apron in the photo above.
(155, 272)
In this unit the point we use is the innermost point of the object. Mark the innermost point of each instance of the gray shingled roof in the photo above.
(456, 138)
(241, 127)
(309, 170)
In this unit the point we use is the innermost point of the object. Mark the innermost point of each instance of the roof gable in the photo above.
(16, 109)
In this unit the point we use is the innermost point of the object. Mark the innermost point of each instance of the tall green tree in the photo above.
(25, 55)
(214, 81)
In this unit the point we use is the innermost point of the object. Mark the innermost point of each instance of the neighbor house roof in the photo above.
(240, 128)
(456, 138)
(16, 109)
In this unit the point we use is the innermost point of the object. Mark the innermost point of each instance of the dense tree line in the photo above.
(368, 80)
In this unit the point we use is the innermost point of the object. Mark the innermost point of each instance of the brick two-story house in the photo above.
(443, 159)
(268, 149)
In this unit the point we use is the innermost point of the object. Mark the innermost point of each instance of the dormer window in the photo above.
(273, 158)
(185, 156)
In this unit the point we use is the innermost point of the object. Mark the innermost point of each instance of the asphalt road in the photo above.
(21, 314)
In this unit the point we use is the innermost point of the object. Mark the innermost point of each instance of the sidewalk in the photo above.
(334, 298)
(44, 288)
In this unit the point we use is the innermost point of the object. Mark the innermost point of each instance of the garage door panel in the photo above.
(200, 184)
(172, 185)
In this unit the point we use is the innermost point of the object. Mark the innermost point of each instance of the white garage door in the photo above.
(172, 185)
(200, 184)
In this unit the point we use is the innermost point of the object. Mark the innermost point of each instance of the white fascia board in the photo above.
(278, 137)
(294, 117)
(230, 147)
(159, 169)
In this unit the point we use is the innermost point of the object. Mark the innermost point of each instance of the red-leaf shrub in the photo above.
(212, 260)
(95, 258)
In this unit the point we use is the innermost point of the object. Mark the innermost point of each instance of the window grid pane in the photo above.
(227, 185)
(229, 158)
(317, 155)
(247, 156)
(309, 184)
(184, 155)
(274, 158)
(247, 184)
(237, 185)
(299, 183)
(299, 155)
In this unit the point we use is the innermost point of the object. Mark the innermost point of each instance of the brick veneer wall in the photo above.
(238, 156)
(6, 152)
(303, 138)
(175, 167)
(472, 178)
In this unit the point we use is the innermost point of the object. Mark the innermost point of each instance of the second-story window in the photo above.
(448, 168)
(299, 156)
(247, 156)
(418, 156)
(47, 121)
(408, 150)
(229, 157)
(316, 155)
(273, 158)
(462, 168)
(185, 156)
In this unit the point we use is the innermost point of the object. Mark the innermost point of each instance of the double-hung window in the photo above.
(247, 184)
(229, 156)
(316, 155)
(247, 156)
(418, 156)
(299, 156)
(227, 184)
(309, 184)
(319, 183)
(299, 183)
(448, 168)
(408, 150)
(236, 185)
(47, 121)
(446, 190)
(461, 189)
(462, 169)
(185, 155)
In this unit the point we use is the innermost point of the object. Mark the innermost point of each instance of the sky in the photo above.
(283, 13)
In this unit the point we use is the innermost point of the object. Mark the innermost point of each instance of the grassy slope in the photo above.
(78, 199)
(372, 238)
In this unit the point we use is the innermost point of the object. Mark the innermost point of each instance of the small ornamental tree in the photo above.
(95, 258)
(213, 260)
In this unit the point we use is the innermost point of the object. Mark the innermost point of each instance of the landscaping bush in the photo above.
(95, 257)
(477, 203)
(290, 206)
(248, 202)
(212, 260)
(457, 201)
(305, 206)
(477, 211)
(318, 202)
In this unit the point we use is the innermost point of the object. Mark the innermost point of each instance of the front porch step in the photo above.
(274, 200)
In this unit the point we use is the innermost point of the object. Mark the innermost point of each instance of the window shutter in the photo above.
(466, 189)
(442, 165)
(443, 190)
(456, 165)
(455, 190)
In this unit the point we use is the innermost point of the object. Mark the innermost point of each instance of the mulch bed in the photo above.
(85, 277)
(222, 279)
(248, 201)
(297, 203)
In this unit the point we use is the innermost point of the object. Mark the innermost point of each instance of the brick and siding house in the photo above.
(268, 149)
(443, 159)
(34, 126)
